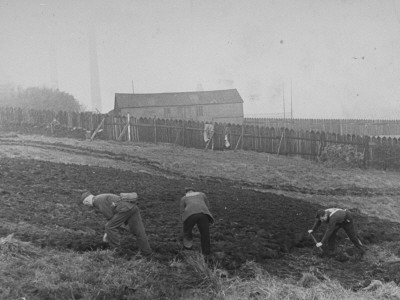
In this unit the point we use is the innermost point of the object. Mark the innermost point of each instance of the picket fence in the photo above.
(340, 126)
(377, 152)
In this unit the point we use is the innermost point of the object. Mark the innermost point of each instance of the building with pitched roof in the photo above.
(221, 106)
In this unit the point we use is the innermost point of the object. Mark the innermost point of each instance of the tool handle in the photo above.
(315, 241)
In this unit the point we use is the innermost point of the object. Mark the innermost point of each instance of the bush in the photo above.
(347, 156)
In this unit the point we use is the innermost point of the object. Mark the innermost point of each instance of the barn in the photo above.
(221, 106)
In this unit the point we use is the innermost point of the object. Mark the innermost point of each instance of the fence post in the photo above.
(134, 129)
(366, 152)
(214, 130)
(155, 129)
(183, 133)
(129, 126)
(240, 138)
(97, 129)
(298, 144)
(241, 142)
(124, 130)
(137, 129)
(209, 141)
(280, 142)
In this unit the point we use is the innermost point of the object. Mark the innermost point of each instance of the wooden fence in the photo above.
(340, 126)
(377, 152)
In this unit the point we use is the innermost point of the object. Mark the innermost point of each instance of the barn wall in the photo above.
(221, 113)
(226, 113)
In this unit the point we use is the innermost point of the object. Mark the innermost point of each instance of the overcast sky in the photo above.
(325, 58)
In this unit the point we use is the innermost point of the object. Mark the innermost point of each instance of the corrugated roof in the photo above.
(177, 99)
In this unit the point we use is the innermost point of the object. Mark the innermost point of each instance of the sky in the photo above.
(292, 58)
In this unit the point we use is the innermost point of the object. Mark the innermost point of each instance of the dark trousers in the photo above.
(348, 227)
(135, 223)
(203, 224)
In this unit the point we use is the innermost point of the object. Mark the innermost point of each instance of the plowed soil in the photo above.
(41, 182)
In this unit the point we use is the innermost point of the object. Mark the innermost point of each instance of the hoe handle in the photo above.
(315, 241)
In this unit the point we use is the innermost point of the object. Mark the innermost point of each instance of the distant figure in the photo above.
(208, 131)
(336, 218)
(195, 210)
(119, 210)
(227, 134)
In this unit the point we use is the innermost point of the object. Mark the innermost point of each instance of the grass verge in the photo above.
(30, 272)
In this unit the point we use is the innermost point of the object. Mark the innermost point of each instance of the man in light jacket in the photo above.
(119, 210)
(195, 210)
(336, 218)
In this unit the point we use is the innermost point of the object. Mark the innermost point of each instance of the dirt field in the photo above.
(263, 204)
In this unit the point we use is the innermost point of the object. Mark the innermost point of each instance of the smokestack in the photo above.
(94, 70)
(53, 65)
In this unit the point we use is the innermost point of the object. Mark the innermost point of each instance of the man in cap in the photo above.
(119, 210)
(336, 218)
(195, 210)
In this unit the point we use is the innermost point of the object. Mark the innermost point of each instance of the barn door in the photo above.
(187, 113)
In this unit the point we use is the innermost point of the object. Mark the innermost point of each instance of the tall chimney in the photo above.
(53, 64)
(94, 70)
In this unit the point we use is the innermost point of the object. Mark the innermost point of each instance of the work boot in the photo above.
(124, 253)
(146, 254)
(342, 257)
(360, 255)
(209, 259)
(124, 227)
(329, 253)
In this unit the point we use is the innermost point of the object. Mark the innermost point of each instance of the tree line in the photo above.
(39, 98)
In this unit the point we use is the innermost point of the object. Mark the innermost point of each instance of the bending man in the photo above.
(119, 210)
(336, 218)
(194, 209)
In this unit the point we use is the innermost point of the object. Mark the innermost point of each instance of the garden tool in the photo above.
(315, 241)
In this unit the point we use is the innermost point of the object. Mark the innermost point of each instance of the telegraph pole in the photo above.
(283, 100)
(291, 101)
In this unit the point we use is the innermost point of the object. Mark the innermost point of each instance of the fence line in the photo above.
(377, 152)
(341, 126)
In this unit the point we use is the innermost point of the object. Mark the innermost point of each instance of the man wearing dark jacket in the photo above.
(336, 218)
(119, 210)
(195, 210)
